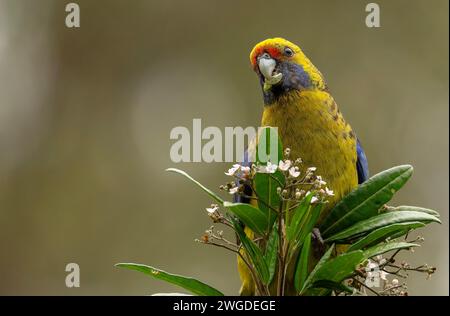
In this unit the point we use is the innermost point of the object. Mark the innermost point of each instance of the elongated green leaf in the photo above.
(313, 217)
(253, 252)
(187, 283)
(301, 270)
(251, 216)
(385, 247)
(319, 291)
(208, 191)
(270, 147)
(382, 233)
(396, 235)
(365, 201)
(271, 254)
(305, 228)
(412, 208)
(266, 189)
(335, 286)
(382, 220)
(294, 226)
(318, 266)
(339, 268)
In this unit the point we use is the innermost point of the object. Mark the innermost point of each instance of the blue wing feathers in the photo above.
(362, 167)
(247, 190)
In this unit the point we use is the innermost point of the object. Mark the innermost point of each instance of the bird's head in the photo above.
(283, 67)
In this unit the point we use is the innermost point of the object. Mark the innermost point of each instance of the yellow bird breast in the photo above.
(311, 125)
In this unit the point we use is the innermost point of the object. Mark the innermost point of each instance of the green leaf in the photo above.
(396, 235)
(271, 254)
(382, 220)
(301, 270)
(208, 191)
(365, 201)
(319, 264)
(412, 208)
(266, 190)
(335, 286)
(312, 291)
(187, 283)
(274, 152)
(253, 217)
(294, 226)
(313, 217)
(385, 247)
(382, 233)
(253, 252)
(339, 268)
(266, 184)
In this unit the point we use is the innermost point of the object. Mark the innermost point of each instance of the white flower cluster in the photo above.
(236, 168)
(298, 183)
(374, 272)
(213, 213)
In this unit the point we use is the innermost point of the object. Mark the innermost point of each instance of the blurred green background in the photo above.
(85, 116)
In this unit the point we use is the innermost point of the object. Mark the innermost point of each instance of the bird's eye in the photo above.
(288, 52)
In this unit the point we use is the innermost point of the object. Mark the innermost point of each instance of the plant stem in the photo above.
(365, 286)
(261, 289)
(281, 255)
(258, 198)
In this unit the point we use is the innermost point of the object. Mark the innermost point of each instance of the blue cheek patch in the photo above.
(294, 78)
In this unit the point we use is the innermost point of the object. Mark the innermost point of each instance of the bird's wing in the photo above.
(361, 164)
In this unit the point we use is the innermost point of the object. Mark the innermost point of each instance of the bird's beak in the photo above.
(267, 65)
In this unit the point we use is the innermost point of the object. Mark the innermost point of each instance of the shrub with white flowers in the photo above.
(352, 251)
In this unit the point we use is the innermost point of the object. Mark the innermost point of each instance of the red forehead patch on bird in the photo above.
(274, 52)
